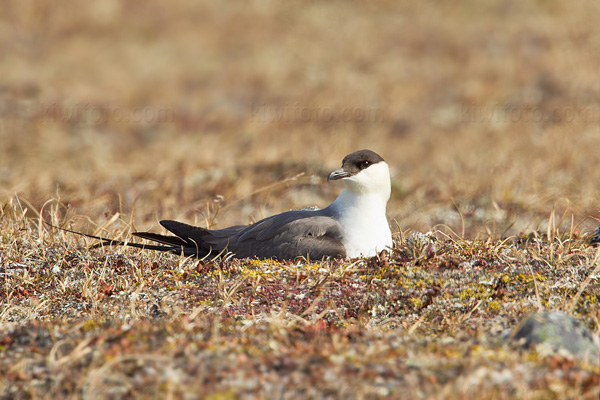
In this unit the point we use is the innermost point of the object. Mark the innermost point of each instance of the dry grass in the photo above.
(114, 115)
(425, 322)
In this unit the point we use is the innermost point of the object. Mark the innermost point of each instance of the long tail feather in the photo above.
(171, 240)
(111, 242)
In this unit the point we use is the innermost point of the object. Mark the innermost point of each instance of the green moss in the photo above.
(493, 305)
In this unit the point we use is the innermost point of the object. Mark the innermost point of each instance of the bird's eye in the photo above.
(364, 164)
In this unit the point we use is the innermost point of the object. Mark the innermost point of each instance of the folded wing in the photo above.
(292, 234)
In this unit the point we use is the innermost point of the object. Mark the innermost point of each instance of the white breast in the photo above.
(364, 223)
(361, 210)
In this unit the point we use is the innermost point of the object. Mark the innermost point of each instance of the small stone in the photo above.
(553, 332)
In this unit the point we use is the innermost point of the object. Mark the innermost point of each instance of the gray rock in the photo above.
(553, 332)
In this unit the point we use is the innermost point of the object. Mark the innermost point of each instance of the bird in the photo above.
(595, 239)
(354, 225)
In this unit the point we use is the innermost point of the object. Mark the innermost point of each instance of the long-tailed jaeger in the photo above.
(354, 225)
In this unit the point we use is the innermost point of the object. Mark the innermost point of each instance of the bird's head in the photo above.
(364, 171)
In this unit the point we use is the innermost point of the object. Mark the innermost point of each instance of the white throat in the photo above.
(361, 208)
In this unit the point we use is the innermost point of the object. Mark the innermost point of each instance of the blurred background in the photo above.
(226, 112)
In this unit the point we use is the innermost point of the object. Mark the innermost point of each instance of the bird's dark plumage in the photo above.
(298, 233)
(355, 162)
(292, 234)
